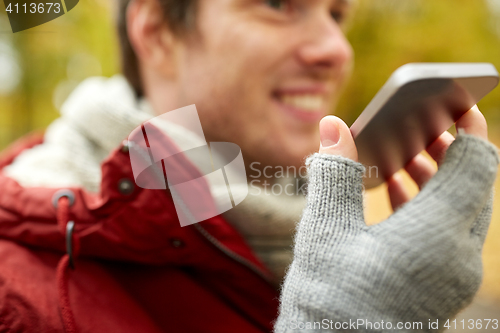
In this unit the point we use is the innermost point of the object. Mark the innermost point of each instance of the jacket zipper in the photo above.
(233, 255)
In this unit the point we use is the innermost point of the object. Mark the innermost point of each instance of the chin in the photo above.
(297, 157)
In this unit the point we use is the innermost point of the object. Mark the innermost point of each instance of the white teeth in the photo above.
(304, 102)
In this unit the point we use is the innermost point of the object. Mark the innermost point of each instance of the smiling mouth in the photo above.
(305, 107)
(305, 102)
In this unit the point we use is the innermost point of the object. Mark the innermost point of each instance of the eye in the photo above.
(278, 4)
(338, 16)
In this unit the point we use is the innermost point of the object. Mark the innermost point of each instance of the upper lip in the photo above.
(321, 90)
(318, 89)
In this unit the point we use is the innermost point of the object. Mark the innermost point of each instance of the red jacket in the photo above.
(135, 268)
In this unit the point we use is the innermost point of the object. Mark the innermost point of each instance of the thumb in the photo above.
(335, 181)
(336, 138)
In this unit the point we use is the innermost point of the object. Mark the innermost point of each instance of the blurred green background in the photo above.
(39, 67)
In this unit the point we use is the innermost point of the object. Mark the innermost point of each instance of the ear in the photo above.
(150, 37)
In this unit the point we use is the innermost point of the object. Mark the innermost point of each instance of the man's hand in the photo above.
(420, 169)
(422, 263)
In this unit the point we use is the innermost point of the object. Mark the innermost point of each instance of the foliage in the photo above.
(385, 34)
(53, 57)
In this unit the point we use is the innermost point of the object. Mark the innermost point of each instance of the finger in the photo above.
(474, 123)
(336, 138)
(437, 149)
(421, 170)
(454, 197)
(398, 195)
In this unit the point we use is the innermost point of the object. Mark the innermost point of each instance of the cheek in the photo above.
(230, 108)
(231, 85)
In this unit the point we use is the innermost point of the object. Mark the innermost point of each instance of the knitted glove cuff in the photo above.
(334, 181)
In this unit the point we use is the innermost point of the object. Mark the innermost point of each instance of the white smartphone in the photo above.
(418, 103)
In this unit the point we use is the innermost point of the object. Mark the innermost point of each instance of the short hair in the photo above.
(179, 16)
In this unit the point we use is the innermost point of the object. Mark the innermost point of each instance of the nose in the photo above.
(325, 45)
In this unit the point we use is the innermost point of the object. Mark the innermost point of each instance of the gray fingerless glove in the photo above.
(423, 263)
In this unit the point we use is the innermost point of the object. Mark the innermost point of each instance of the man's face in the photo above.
(262, 74)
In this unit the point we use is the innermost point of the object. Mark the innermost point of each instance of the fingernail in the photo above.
(330, 135)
